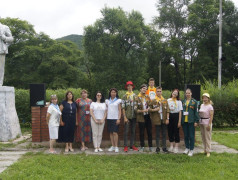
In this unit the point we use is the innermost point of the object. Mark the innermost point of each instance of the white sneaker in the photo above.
(116, 149)
(175, 150)
(141, 149)
(111, 149)
(170, 149)
(186, 151)
(190, 153)
(96, 150)
(100, 150)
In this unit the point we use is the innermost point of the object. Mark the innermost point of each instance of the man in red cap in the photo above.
(128, 106)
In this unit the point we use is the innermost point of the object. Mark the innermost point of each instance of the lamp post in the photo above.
(220, 47)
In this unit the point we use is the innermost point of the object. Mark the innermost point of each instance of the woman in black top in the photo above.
(68, 121)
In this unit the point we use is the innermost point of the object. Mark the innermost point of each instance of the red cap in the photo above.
(129, 83)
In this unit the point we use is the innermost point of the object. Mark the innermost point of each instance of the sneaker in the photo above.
(111, 149)
(157, 150)
(150, 149)
(96, 150)
(208, 154)
(190, 153)
(186, 151)
(116, 149)
(125, 149)
(100, 150)
(141, 149)
(171, 149)
(134, 148)
(176, 150)
(165, 150)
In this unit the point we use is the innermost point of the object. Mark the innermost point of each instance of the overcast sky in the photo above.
(58, 18)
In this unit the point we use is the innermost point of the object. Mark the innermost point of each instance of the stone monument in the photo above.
(9, 122)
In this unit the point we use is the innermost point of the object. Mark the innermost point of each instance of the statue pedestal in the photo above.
(9, 122)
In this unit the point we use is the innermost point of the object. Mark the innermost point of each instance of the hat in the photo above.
(206, 94)
(129, 83)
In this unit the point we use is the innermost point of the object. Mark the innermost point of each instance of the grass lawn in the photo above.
(141, 166)
(227, 139)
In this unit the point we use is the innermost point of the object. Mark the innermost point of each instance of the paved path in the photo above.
(7, 158)
(10, 155)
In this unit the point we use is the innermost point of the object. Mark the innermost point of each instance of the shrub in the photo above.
(225, 102)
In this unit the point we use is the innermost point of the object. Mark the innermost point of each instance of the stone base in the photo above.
(9, 122)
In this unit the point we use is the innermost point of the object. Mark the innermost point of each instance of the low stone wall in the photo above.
(40, 131)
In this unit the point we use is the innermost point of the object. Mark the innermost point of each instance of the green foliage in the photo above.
(77, 39)
(22, 102)
(114, 48)
(137, 166)
(225, 102)
(35, 58)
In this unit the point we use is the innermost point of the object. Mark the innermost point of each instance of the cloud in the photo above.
(59, 18)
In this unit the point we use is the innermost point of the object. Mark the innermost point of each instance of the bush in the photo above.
(225, 102)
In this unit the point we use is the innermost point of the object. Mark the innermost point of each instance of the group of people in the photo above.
(83, 120)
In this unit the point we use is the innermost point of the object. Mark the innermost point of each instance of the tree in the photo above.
(114, 45)
(35, 58)
(172, 23)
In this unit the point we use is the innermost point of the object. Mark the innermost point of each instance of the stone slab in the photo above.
(9, 122)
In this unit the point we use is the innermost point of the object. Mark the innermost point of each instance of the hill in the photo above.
(77, 39)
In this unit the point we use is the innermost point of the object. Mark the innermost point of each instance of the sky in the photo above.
(58, 18)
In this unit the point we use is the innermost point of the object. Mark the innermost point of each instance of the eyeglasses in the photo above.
(159, 91)
(99, 95)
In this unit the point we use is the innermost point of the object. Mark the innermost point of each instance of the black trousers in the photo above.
(173, 130)
(161, 128)
(142, 125)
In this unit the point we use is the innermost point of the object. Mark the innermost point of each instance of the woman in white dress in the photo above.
(53, 121)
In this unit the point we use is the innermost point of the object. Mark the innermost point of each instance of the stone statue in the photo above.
(9, 122)
(5, 40)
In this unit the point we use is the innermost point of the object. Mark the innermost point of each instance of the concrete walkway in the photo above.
(10, 155)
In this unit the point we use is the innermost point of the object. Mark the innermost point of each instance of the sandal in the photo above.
(52, 152)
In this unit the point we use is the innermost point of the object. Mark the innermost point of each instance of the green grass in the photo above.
(227, 128)
(141, 166)
(227, 139)
(9, 145)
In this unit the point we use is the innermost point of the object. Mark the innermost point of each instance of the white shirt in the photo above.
(98, 109)
(175, 108)
(112, 109)
(160, 111)
(54, 116)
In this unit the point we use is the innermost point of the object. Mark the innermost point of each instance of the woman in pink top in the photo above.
(206, 116)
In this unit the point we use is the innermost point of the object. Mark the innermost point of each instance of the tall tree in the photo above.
(172, 23)
(114, 45)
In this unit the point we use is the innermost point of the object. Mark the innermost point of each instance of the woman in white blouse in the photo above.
(175, 107)
(98, 112)
(113, 117)
(53, 121)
